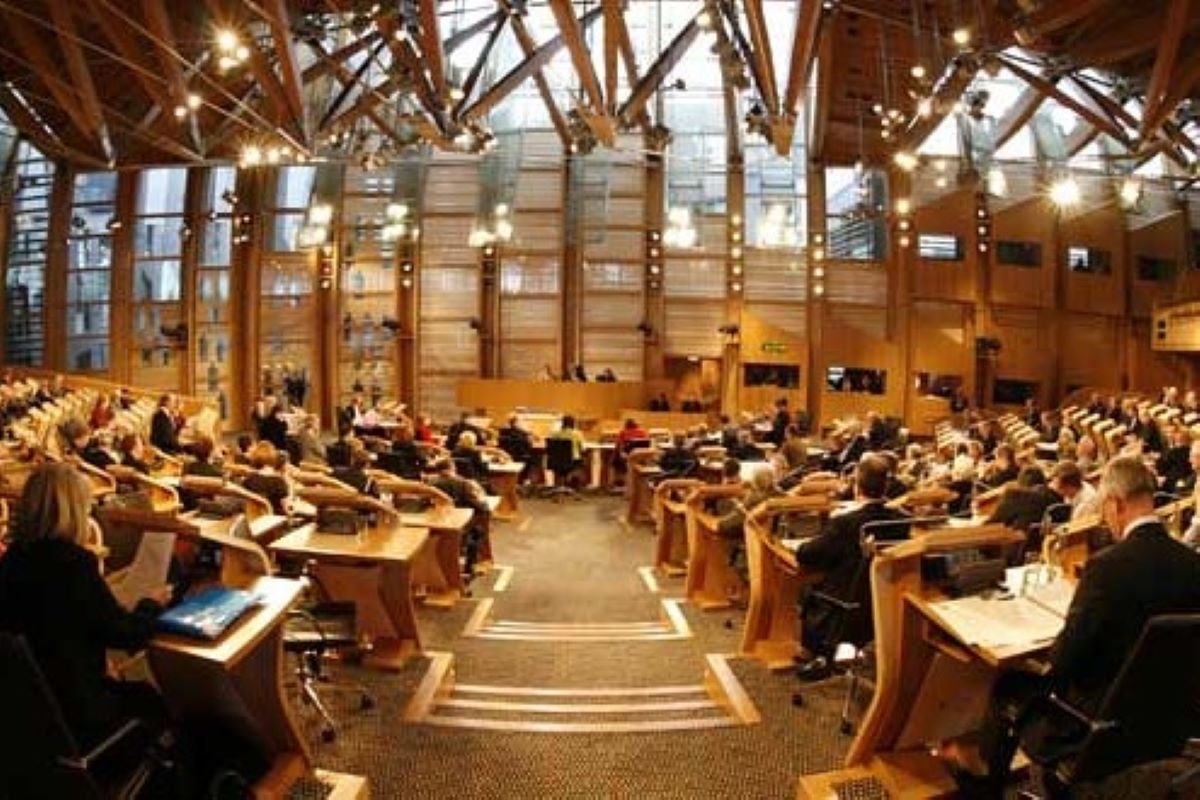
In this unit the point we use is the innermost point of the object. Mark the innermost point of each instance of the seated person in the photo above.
(242, 447)
(780, 422)
(309, 442)
(837, 554)
(202, 465)
(744, 448)
(677, 461)
(1144, 575)
(1174, 467)
(855, 444)
(52, 593)
(406, 459)
(459, 428)
(355, 473)
(267, 481)
(103, 414)
(630, 434)
(518, 443)
(572, 434)
(337, 454)
(1003, 467)
(84, 445)
(273, 429)
(465, 494)
(468, 461)
(660, 403)
(794, 451)
(423, 432)
(1068, 483)
(133, 453)
(760, 488)
(164, 430)
(1025, 503)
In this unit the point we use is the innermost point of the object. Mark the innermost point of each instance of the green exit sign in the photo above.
(774, 347)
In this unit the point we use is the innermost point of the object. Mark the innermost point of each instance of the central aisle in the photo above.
(574, 586)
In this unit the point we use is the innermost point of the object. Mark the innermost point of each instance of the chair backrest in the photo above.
(560, 455)
(31, 764)
(1152, 708)
(399, 464)
(466, 468)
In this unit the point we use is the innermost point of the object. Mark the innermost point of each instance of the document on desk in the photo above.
(148, 572)
(996, 623)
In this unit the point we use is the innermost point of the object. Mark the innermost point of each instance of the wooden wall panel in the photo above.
(757, 332)
(1149, 371)
(855, 336)
(1026, 346)
(1163, 237)
(941, 342)
(1090, 352)
(1028, 221)
(952, 215)
(1102, 228)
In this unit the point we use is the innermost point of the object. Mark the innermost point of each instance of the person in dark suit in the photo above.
(52, 593)
(837, 554)
(274, 430)
(355, 473)
(1024, 504)
(678, 460)
(780, 422)
(1175, 466)
(458, 429)
(744, 448)
(202, 465)
(467, 458)
(163, 432)
(465, 494)
(1144, 575)
(850, 453)
(407, 460)
(877, 432)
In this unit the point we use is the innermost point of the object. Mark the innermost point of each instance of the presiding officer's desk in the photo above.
(933, 679)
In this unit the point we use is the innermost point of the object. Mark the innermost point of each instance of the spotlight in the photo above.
(903, 206)
(997, 183)
(1064, 192)
(961, 37)
(193, 101)
(917, 71)
(905, 161)
(1131, 192)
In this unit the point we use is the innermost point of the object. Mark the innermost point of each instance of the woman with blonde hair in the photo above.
(267, 479)
(52, 593)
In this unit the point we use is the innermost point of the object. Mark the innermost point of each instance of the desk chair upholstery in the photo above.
(46, 760)
(1150, 713)
(560, 459)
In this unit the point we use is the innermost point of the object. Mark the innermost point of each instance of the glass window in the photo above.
(939, 247)
(1089, 260)
(159, 231)
(25, 277)
(1019, 254)
(89, 270)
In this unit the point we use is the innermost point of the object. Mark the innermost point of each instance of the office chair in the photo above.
(851, 654)
(1150, 713)
(560, 459)
(466, 469)
(313, 631)
(46, 760)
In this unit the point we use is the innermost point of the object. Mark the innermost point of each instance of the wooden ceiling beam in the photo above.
(42, 135)
(279, 21)
(1084, 110)
(1184, 80)
(946, 93)
(645, 88)
(594, 112)
(349, 80)
(81, 74)
(817, 110)
(1054, 16)
(760, 42)
(529, 48)
(1164, 65)
(1134, 36)
(534, 62)
(159, 25)
(278, 110)
(1083, 135)
(804, 55)
(612, 48)
(472, 81)
(133, 54)
(419, 74)
(367, 102)
(1119, 114)
(46, 70)
(431, 46)
(342, 55)
(464, 35)
(1018, 114)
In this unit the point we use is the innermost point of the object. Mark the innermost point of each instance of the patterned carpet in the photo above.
(575, 562)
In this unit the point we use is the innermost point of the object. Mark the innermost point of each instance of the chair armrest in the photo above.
(85, 761)
(1094, 725)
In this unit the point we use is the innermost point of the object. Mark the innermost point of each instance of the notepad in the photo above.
(148, 572)
(996, 623)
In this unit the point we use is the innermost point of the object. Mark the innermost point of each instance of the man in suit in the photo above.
(163, 432)
(837, 553)
(1024, 504)
(1144, 575)
(1175, 466)
(465, 494)
(780, 423)
(851, 452)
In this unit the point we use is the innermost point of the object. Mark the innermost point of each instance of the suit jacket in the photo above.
(162, 432)
(1145, 575)
(52, 593)
(677, 461)
(852, 452)
(1174, 467)
(837, 553)
(274, 430)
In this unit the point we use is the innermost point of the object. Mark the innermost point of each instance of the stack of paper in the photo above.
(148, 572)
(995, 623)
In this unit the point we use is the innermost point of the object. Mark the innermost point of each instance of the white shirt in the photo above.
(1086, 502)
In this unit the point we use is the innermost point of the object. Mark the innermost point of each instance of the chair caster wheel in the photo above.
(328, 735)
(366, 703)
(846, 728)
(797, 700)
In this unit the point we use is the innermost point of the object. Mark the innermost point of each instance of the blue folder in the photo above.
(208, 613)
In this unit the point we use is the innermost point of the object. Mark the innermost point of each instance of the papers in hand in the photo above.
(148, 572)
(998, 623)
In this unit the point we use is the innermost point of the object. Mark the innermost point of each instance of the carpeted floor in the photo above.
(575, 562)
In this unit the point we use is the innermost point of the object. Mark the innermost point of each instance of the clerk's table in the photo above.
(374, 570)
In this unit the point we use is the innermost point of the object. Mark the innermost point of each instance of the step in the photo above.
(671, 626)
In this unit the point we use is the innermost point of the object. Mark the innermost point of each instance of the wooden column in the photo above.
(328, 188)
(121, 314)
(571, 351)
(54, 303)
(488, 330)
(735, 247)
(6, 226)
(408, 299)
(818, 239)
(193, 212)
(655, 313)
(253, 187)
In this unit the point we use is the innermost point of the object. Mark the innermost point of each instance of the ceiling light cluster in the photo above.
(231, 52)
(500, 230)
(255, 155)
(680, 232)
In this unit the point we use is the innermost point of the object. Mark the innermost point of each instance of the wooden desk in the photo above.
(771, 633)
(504, 479)
(642, 467)
(930, 687)
(670, 519)
(437, 576)
(239, 679)
(375, 571)
(600, 461)
(709, 575)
